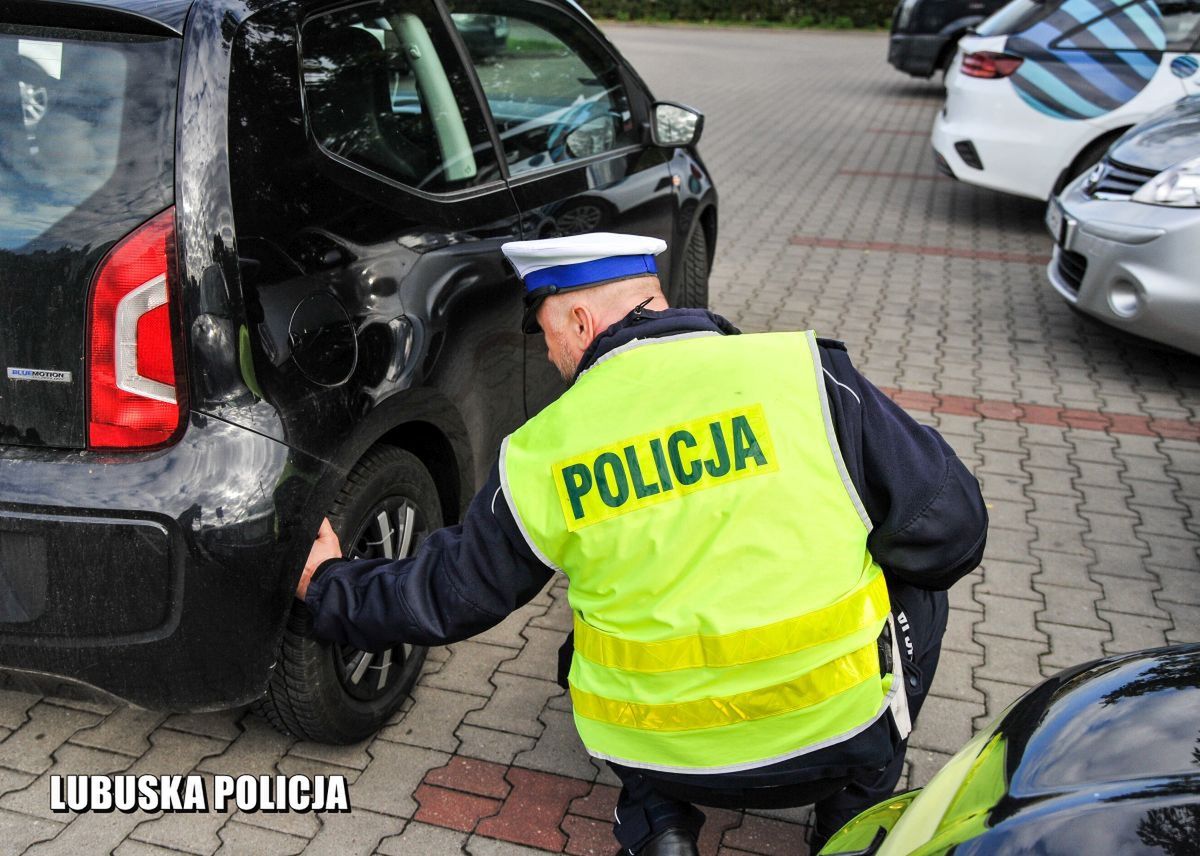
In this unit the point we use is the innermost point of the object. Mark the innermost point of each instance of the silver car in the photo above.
(1127, 234)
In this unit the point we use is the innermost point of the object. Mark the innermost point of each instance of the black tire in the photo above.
(333, 693)
(693, 281)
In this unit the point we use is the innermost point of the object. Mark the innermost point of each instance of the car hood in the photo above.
(1166, 138)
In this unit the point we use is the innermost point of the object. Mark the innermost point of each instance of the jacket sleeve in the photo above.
(461, 581)
(930, 521)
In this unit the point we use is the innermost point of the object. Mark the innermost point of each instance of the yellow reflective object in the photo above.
(863, 607)
(809, 689)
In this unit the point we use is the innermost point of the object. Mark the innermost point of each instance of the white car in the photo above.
(1043, 87)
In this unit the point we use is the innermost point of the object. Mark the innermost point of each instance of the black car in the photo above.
(1101, 758)
(925, 33)
(250, 276)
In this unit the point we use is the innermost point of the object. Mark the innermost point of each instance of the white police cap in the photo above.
(552, 265)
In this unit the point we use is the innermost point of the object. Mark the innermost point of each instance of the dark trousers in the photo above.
(648, 805)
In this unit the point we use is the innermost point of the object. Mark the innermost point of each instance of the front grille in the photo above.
(1071, 268)
(1115, 180)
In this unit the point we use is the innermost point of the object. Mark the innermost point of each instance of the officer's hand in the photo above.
(325, 547)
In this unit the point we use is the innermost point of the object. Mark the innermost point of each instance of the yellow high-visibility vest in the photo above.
(726, 608)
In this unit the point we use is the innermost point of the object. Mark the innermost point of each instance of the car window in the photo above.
(1015, 17)
(1129, 25)
(1180, 22)
(383, 89)
(86, 125)
(554, 93)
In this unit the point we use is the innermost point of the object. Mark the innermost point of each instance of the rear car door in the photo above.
(571, 120)
(370, 207)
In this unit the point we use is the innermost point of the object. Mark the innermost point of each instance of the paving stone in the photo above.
(1011, 660)
(125, 730)
(1111, 529)
(945, 723)
(1187, 624)
(539, 657)
(1069, 606)
(510, 631)
(1178, 586)
(222, 725)
(588, 837)
(1133, 632)
(1169, 522)
(470, 668)
(386, 786)
(1172, 552)
(15, 707)
(421, 839)
(188, 833)
(433, 718)
(1008, 579)
(533, 810)
(452, 809)
(559, 749)
(1008, 545)
(30, 795)
(129, 847)
(488, 744)
(1121, 560)
(558, 616)
(255, 752)
(1009, 616)
(1066, 570)
(240, 839)
(1070, 645)
(515, 705)
(472, 776)
(924, 765)
(31, 746)
(1122, 594)
(19, 831)
(998, 695)
(1049, 506)
(1057, 537)
(959, 634)
(350, 833)
(1154, 494)
(478, 845)
(766, 836)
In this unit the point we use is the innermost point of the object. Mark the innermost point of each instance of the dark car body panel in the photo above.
(291, 262)
(924, 42)
(1163, 140)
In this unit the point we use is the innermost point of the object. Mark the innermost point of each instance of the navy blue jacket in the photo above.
(929, 519)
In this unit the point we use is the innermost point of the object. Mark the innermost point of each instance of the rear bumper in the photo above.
(162, 578)
(916, 54)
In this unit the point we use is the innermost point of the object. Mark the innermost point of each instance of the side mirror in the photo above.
(675, 125)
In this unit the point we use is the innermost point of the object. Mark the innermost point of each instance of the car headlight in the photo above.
(1178, 186)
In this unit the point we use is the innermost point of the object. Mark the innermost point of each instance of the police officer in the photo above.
(757, 542)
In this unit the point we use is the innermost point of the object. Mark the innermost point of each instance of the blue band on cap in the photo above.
(589, 273)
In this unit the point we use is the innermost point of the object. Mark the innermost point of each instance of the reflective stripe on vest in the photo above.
(726, 607)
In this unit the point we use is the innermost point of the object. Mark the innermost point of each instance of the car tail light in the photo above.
(133, 397)
(989, 64)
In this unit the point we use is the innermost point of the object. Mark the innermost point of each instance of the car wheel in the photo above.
(335, 693)
(693, 284)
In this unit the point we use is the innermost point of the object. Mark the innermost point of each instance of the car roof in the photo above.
(172, 14)
(158, 14)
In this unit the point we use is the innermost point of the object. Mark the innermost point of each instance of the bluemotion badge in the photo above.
(45, 375)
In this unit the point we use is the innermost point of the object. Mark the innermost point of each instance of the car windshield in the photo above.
(86, 127)
(1015, 17)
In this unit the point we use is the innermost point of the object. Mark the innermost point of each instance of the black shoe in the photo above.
(672, 842)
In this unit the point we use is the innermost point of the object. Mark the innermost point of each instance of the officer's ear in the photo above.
(582, 325)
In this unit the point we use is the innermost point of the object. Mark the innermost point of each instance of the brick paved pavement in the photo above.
(832, 217)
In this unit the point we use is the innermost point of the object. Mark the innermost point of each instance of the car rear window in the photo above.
(87, 127)
(1016, 17)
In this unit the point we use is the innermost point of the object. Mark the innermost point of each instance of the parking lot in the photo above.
(833, 217)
